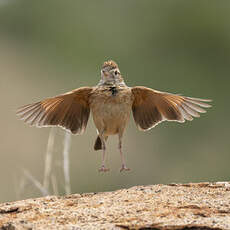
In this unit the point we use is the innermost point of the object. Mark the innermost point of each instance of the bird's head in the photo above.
(110, 73)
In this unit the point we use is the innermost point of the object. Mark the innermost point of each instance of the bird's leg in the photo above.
(103, 168)
(123, 164)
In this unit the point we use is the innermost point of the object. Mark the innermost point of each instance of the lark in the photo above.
(111, 102)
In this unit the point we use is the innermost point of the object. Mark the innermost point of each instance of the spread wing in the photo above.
(151, 107)
(70, 111)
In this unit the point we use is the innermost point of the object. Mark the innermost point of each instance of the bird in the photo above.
(111, 103)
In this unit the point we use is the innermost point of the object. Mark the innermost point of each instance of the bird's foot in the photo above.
(103, 169)
(124, 168)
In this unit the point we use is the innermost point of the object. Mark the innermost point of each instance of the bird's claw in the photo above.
(124, 168)
(103, 169)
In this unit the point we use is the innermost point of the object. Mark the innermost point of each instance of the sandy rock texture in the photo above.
(173, 206)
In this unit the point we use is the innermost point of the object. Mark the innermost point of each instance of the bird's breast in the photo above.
(111, 109)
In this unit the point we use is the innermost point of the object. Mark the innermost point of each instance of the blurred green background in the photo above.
(50, 47)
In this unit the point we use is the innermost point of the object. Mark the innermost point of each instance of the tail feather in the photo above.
(98, 144)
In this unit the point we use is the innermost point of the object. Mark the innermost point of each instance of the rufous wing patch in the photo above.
(70, 111)
(151, 107)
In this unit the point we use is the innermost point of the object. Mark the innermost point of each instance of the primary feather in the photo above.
(70, 111)
(151, 107)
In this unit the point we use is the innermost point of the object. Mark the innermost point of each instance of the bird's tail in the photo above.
(98, 144)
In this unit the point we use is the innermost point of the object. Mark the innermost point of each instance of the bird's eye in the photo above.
(116, 72)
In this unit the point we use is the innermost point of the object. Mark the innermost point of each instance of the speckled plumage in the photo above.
(111, 113)
(110, 64)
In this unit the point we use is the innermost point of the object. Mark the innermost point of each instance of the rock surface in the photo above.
(173, 206)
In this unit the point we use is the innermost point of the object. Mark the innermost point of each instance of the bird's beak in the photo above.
(105, 73)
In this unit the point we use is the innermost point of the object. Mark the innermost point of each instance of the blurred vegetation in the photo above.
(50, 47)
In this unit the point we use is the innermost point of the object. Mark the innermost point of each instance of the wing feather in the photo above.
(151, 107)
(70, 111)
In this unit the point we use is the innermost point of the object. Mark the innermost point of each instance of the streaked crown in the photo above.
(110, 65)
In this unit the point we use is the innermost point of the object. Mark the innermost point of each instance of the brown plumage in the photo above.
(70, 111)
(111, 103)
(151, 107)
(110, 63)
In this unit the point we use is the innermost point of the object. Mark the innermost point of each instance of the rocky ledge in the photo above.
(172, 206)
